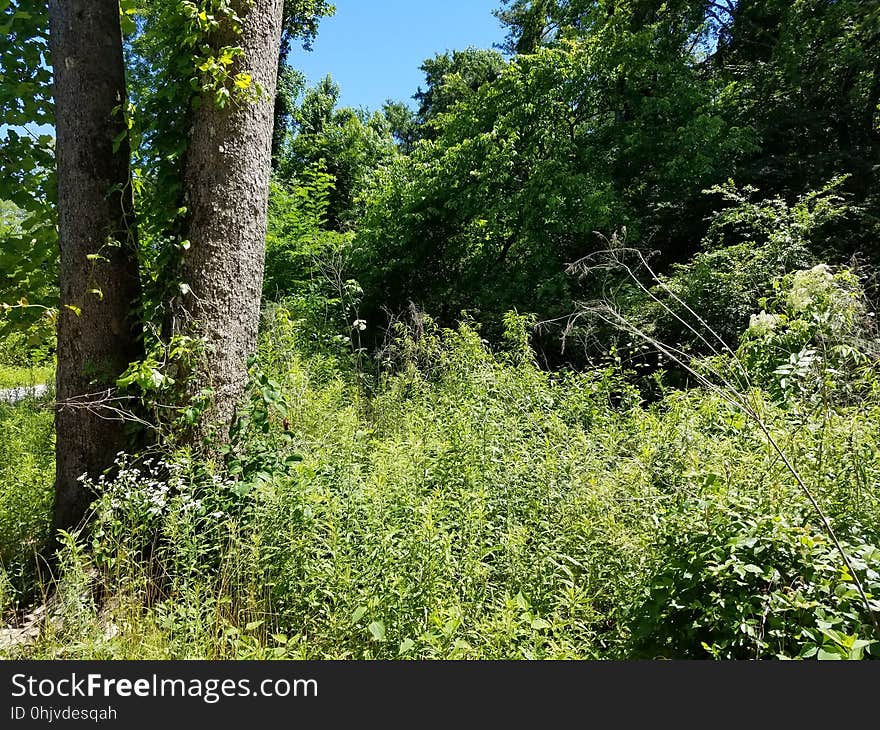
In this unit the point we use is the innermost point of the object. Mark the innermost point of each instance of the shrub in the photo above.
(468, 504)
(742, 579)
(816, 341)
(748, 246)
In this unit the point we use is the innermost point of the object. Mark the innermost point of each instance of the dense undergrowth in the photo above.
(461, 502)
(18, 377)
(27, 473)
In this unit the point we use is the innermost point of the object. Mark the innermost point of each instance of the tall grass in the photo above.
(471, 505)
(27, 472)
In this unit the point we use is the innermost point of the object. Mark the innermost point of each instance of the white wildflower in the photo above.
(763, 323)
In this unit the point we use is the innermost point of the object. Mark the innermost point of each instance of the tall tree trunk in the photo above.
(227, 188)
(95, 216)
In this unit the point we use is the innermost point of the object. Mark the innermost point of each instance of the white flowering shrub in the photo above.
(815, 337)
(750, 243)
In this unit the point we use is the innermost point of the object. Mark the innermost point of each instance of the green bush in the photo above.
(749, 245)
(29, 348)
(468, 504)
(739, 578)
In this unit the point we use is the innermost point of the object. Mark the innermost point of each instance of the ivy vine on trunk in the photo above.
(227, 187)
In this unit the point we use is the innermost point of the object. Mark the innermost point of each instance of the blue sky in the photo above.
(373, 48)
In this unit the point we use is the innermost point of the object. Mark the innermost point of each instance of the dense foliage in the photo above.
(473, 505)
(574, 356)
(28, 245)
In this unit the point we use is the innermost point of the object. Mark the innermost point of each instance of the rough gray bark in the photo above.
(95, 216)
(227, 188)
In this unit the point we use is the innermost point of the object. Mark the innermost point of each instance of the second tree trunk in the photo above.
(227, 188)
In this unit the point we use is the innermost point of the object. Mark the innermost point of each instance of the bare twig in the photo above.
(106, 405)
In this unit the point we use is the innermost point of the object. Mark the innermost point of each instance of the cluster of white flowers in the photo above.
(809, 285)
(763, 323)
(150, 489)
